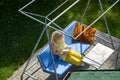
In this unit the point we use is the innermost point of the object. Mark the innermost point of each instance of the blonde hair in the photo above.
(56, 35)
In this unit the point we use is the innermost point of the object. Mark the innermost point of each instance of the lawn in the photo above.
(18, 33)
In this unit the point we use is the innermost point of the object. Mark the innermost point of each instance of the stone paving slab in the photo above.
(40, 75)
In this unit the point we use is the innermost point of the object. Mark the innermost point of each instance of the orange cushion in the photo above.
(87, 36)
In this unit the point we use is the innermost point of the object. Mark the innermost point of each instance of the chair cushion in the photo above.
(87, 36)
(61, 67)
(45, 57)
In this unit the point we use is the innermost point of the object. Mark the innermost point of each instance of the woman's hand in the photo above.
(68, 47)
(65, 51)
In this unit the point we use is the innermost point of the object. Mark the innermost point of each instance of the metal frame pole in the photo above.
(49, 41)
(33, 52)
(103, 39)
(117, 57)
(26, 5)
(38, 15)
(57, 8)
(93, 61)
(63, 12)
(44, 23)
(33, 77)
(83, 18)
(32, 17)
(26, 13)
(85, 11)
(107, 27)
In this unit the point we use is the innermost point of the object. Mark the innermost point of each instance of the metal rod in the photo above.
(83, 18)
(61, 31)
(32, 17)
(34, 14)
(51, 52)
(117, 57)
(42, 17)
(33, 73)
(97, 19)
(85, 11)
(103, 39)
(47, 19)
(31, 65)
(91, 65)
(43, 23)
(38, 40)
(26, 5)
(107, 27)
(55, 24)
(30, 75)
(33, 52)
(66, 33)
(57, 8)
(63, 12)
(93, 61)
(38, 20)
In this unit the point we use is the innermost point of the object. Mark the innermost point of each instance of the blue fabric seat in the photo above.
(45, 57)
(46, 62)
(80, 47)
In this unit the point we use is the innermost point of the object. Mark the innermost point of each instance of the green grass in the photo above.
(18, 33)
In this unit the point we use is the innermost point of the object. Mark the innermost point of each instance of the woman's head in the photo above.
(56, 36)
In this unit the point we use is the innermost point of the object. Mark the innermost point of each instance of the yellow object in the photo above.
(60, 45)
(74, 57)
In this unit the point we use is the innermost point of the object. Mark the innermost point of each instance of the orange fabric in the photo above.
(87, 36)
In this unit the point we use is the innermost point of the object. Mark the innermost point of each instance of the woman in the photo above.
(64, 51)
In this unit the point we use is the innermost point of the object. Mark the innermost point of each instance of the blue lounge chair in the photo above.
(45, 58)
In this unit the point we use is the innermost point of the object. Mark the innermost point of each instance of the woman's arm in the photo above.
(54, 50)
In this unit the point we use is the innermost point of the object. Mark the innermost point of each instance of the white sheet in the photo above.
(99, 54)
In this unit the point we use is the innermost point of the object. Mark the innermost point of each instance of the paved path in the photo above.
(109, 64)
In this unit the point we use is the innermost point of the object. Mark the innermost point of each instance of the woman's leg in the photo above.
(75, 54)
(72, 59)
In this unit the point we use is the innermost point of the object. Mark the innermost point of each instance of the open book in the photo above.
(67, 48)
